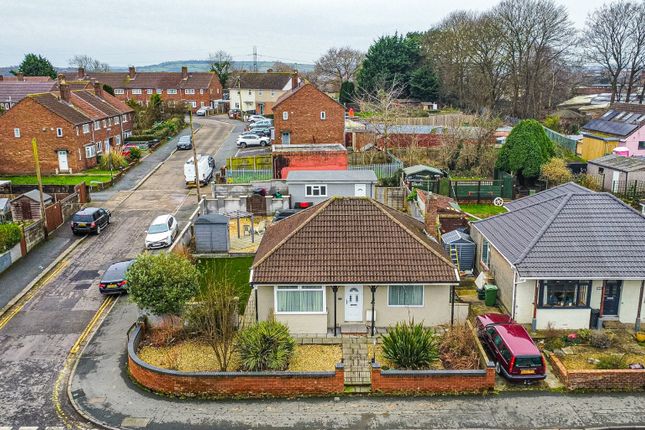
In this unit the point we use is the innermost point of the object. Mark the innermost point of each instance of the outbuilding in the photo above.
(461, 249)
(315, 186)
(27, 206)
(211, 233)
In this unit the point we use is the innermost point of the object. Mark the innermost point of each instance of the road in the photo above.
(36, 337)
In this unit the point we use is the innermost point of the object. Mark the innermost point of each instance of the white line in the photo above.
(27, 428)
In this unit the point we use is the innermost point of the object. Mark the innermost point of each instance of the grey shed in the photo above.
(211, 233)
(464, 246)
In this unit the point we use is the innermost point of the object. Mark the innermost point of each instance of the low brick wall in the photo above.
(250, 384)
(598, 379)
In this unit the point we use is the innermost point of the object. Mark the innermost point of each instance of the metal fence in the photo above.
(242, 176)
(562, 140)
(382, 170)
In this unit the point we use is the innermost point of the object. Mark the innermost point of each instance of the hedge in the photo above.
(9, 236)
(140, 138)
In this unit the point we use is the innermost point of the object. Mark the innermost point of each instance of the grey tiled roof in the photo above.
(569, 187)
(571, 236)
(618, 162)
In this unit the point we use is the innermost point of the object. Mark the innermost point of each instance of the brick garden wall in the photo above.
(432, 381)
(598, 379)
(229, 383)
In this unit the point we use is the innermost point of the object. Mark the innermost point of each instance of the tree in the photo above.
(339, 65)
(88, 63)
(162, 283)
(221, 63)
(108, 89)
(527, 148)
(35, 65)
(555, 172)
(423, 83)
(347, 92)
(382, 110)
(279, 66)
(154, 110)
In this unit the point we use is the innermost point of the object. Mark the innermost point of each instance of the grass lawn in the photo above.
(98, 171)
(237, 269)
(482, 210)
(57, 179)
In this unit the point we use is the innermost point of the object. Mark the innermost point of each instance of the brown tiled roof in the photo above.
(32, 79)
(60, 108)
(264, 81)
(153, 80)
(293, 91)
(121, 106)
(97, 103)
(348, 240)
(17, 90)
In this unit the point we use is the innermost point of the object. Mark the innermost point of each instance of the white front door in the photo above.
(360, 190)
(286, 138)
(62, 161)
(353, 303)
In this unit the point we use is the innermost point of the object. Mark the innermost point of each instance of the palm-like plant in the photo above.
(266, 345)
(410, 346)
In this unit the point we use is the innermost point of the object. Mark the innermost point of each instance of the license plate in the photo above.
(81, 224)
(112, 286)
(527, 371)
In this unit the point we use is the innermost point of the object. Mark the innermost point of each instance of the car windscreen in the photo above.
(528, 361)
(82, 218)
(158, 228)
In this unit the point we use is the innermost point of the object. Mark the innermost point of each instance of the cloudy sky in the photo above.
(144, 32)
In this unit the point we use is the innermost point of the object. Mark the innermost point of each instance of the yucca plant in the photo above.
(266, 345)
(410, 346)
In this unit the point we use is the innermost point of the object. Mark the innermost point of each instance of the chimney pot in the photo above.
(294, 79)
(132, 72)
(1, 78)
(80, 73)
(98, 88)
(63, 89)
(184, 72)
(20, 76)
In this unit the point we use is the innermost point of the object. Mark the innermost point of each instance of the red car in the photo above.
(516, 356)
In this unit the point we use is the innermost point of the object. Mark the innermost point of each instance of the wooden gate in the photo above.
(53, 217)
(257, 205)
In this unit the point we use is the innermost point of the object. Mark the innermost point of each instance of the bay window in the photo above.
(405, 295)
(564, 294)
(299, 299)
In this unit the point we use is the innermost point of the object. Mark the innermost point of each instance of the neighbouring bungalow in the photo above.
(560, 254)
(622, 126)
(316, 186)
(348, 261)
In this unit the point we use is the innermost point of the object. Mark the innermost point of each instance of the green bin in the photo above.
(490, 292)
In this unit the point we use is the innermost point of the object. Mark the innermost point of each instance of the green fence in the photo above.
(562, 140)
(258, 162)
(244, 176)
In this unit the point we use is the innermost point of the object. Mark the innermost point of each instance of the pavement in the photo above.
(42, 333)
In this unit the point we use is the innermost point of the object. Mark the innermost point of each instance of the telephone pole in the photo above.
(34, 148)
(195, 160)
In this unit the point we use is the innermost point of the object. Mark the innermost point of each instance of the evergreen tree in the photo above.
(347, 91)
(526, 150)
(36, 65)
(424, 84)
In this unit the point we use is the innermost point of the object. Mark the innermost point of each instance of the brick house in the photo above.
(259, 92)
(71, 128)
(14, 90)
(307, 115)
(197, 89)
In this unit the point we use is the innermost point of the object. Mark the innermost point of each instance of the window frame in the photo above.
(99, 147)
(86, 128)
(641, 144)
(115, 120)
(310, 187)
(189, 91)
(119, 91)
(90, 151)
(321, 288)
(323, 115)
(16, 132)
(149, 91)
(285, 116)
(423, 296)
(171, 91)
(59, 131)
(136, 91)
(485, 255)
(543, 290)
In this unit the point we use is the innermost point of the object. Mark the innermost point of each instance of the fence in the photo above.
(258, 162)
(242, 176)
(562, 140)
(472, 190)
(630, 189)
(382, 170)
(392, 196)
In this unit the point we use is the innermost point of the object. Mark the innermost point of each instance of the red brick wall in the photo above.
(284, 163)
(304, 121)
(432, 381)
(36, 121)
(598, 379)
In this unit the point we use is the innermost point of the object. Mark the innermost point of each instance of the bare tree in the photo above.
(88, 63)
(637, 51)
(339, 64)
(279, 66)
(382, 110)
(221, 63)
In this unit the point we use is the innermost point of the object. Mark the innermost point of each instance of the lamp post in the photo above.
(195, 161)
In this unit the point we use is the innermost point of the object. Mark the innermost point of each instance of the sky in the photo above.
(142, 32)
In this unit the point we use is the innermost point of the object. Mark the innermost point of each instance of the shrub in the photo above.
(458, 348)
(553, 338)
(140, 138)
(600, 339)
(584, 335)
(410, 346)
(135, 154)
(266, 345)
(112, 159)
(9, 236)
(612, 361)
(555, 172)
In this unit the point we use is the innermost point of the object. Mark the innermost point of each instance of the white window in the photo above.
(59, 132)
(405, 295)
(250, 92)
(136, 91)
(272, 93)
(300, 299)
(99, 147)
(323, 115)
(485, 253)
(218, 91)
(125, 118)
(172, 91)
(97, 125)
(104, 124)
(202, 103)
(260, 92)
(193, 103)
(90, 151)
(116, 120)
(315, 190)
(159, 91)
(189, 91)
(285, 115)
(201, 91)
(86, 128)
(237, 105)
(118, 91)
(118, 140)
(16, 132)
(109, 121)
(149, 91)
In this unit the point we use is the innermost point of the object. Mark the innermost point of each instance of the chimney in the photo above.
(98, 88)
(269, 70)
(294, 79)
(20, 76)
(1, 78)
(80, 74)
(63, 89)
(184, 72)
(131, 72)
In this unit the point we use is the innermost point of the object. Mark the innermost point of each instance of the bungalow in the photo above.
(618, 172)
(623, 125)
(560, 254)
(352, 263)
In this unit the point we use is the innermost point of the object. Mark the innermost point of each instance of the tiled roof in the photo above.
(568, 188)
(350, 240)
(11, 78)
(297, 89)
(618, 162)
(16, 90)
(153, 80)
(60, 108)
(571, 236)
(97, 103)
(264, 81)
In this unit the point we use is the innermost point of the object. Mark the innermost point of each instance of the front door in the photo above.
(261, 108)
(353, 303)
(286, 138)
(360, 190)
(25, 208)
(611, 298)
(62, 161)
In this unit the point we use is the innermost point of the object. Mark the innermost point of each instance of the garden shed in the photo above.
(460, 244)
(211, 233)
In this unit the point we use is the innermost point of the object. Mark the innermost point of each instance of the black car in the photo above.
(113, 280)
(90, 220)
(185, 142)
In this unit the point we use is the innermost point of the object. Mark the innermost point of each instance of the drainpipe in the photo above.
(637, 326)
(452, 305)
(515, 282)
(373, 290)
(256, 304)
(335, 290)
(535, 302)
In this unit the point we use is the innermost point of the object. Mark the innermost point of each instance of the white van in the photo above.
(206, 167)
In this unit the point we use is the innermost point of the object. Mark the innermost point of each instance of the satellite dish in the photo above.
(498, 201)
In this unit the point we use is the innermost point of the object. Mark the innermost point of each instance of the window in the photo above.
(16, 132)
(136, 91)
(59, 132)
(116, 120)
(315, 190)
(485, 253)
(149, 91)
(323, 115)
(641, 144)
(189, 91)
(300, 299)
(260, 92)
(193, 103)
(99, 147)
(285, 115)
(601, 170)
(90, 151)
(249, 92)
(405, 295)
(118, 140)
(564, 294)
(109, 121)
(272, 93)
(202, 103)
(118, 91)
(201, 91)
(86, 128)
(97, 125)
(172, 91)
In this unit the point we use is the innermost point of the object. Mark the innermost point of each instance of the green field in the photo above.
(482, 210)
(237, 269)
(57, 179)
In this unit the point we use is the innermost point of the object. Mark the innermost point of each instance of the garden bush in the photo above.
(112, 159)
(410, 346)
(266, 345)
(140, 137)
(612, 361)
(135, 154)
(458, 348)
(9, 236)
(584, 335)
(600, 339)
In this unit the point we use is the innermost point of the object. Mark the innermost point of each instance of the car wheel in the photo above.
(498, 368)
(264, 143)
(98, 229)
(243, 144)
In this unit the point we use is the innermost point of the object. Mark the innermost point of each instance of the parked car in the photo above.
(254, 118)
(206, 164)
(90, 220)
(284, 213)
(202, 111)
(234, 113)
(265, 123)
(245, 140)
(113, 280)
(516, 356)
(161, 232)
(185, 142)
(262, 132)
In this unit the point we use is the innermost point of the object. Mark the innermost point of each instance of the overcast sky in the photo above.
(144, 32)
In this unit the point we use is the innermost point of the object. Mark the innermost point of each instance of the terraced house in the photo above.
(196, 89)
(72, 127)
